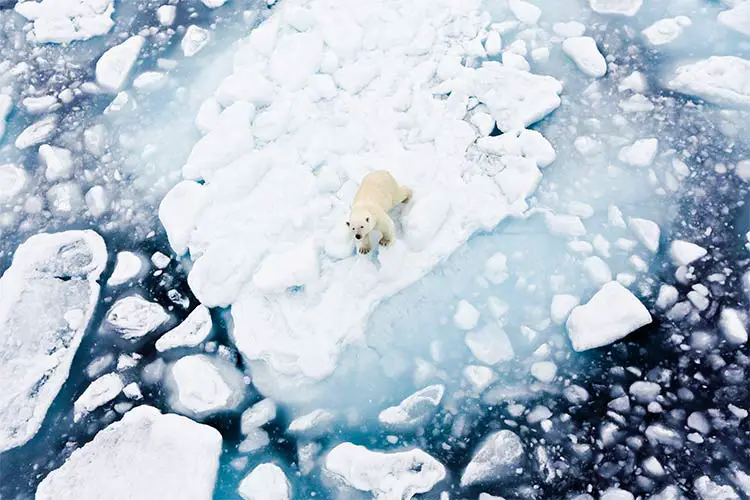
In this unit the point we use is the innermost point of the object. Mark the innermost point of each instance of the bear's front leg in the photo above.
(387, 230)
(365, 246)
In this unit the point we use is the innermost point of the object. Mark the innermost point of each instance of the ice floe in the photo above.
(134, 317)
(684, 253)
(384, 475)
(63, 21)
(99, 392)
(58, 162)
(146, 455)
(13, 179)
(737, 19)
(413, 411)
(618, 7)
(114, 66)
(611, 314)
(195, 329)
(723, 80)
(301, 137)
(48, 295)
(265, 482)
(583, 51)
(127, 267)
(497, 458)
(490, 344)
(257, 415)
(666, 30)
(37, 132)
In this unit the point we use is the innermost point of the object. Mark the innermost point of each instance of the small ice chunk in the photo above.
(699, 422)
(616, 494)
(525, 12)
(414, 411)
(166, 14)
(265, 482)
(646, 231)
(732, 326)
(383, 475)
(538, 414)
(113, 67)
(12, 181)
(212, 4)
(722, 80)
(466, 315)
(480, 377)
(200, 386)
(653, 468)
(561, 306)
(583, 51)
(616, 7)
(64, 21)
(497, 458)
(661, 434)
(37, 132)
(192, 332)
(150, 80)
(709, 490)
(644, 392)
(313, 424)
(737, 19)
(134, 317)
(255, 440)
(58, 162)
(96, 201)
(100, 392)
(544, 371)
(494, 43)
(641, 153)
(597, 270)
(160, 261)
(490, 344)
(611, 314)
(564, 225)
(194, 40)
(258, 415)
(569, 29)
(128, 266)
(667, 297)
(65, 198)
(132, 391)
(39, 105)
(576, 395)
(684, 253)
(666, 30)
(496, 268)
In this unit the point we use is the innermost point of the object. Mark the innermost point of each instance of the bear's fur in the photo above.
(377, 195)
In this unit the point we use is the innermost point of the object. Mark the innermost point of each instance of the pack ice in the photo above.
(322, 93)
(63, 21)
(146, 455)
(47, 297)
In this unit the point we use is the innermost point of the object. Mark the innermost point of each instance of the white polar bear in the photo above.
(377, 195)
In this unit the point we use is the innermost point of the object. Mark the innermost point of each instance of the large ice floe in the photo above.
(47, 297)
(723, 80)
(146, 455)
(63, 21)
(322, 93)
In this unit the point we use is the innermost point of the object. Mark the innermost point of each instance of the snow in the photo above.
(134, 317)
(732, 326)
(114, 66)
(525, 12)
(466, 316)
(617, 7)
(178, 212)
(296, 267)
(194, 330)
(12, 181)
(646, 231)
(58, 162)
(723, 80)
(145, 455)
(684, 253)
(195, 39)
(63, 21)
(666, 30)
(583, 51)
(611, 314)
(495, 460)
(44, 319)
(201, 386)
(737, 19)
(490, 344)
(414, 411)
(37, 132)
(401, 474)
(544, 371)
(265, 482)
(100, 392)
(127, 267)
(641, 153)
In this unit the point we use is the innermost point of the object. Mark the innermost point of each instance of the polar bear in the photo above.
(377, 195)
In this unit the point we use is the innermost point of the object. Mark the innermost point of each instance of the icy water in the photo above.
(572, 444)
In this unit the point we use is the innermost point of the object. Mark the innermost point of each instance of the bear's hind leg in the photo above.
(406, 194)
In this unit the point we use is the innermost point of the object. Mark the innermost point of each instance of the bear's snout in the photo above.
(359, 236)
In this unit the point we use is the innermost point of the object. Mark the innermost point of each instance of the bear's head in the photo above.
(361, 222)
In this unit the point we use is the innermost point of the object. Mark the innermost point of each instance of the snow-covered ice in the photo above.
(134, 317)
(737, 19)
(496, 459)
(618, 7)
(666, 30)
(641, 153)
(258, 415)
(191, 332)
(114, 66)
(583, 51)
(58, 162)
(490, 344)
(63, 21)
(99, 392)
(265, 482)
(611, 314)
(732, 326)
(48, 296)
(146, 455)
(466, 315)
(195, 40)
(723, 80)
(646, 231)
(316, 423)
(127, 267)
(385, 476)
(684, 253)
(413, 411)
(13, 179)
(37, 132)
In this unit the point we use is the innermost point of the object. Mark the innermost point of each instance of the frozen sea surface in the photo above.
(563, 314)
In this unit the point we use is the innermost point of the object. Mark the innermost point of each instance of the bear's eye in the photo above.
(367, 219)
(361, 227)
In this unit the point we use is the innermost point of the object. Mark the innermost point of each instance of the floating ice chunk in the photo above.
(144, 455)
(63, 21)
(653, 468)
(668, 296)
(132, 391)
(562, 305)
(723, 80)
(496, 459)
(583, 51)
(611, 314)
(194, 40)
(37, 132)
(195, 329)
(684, 253)
(737, 19)
(113, 67)
(525, 12)
(38, 105)
(292, 268)
(668, 493)
(384, 475)
(6, 104)
(569, 29)
(201, 386)
(496, 268)
(597, 270)
(616, 494)
(258, 415)
(641, 153)
(414, 411)
(48, 295)
(96, 200)
(313, 424)
(666, 30)
(660, 434)
(646, 231)
(699, 422)
(490, 344)
(255, 440)
(134, 317)
(494, 43)
(732, 326)
(709, 490)
(150, 80)
(480, 377)
(12, 181)
(100, 392)
(265, 482)
(166, 14)
(575, 394)
(65, 198)
(644, 392)
(466, 315)
(618, 7)
(178, 212)
(128, 266)
(544, 371)
(564, 225)
(212, 4)
(58, 162)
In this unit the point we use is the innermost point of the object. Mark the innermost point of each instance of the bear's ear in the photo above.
(347, 224)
